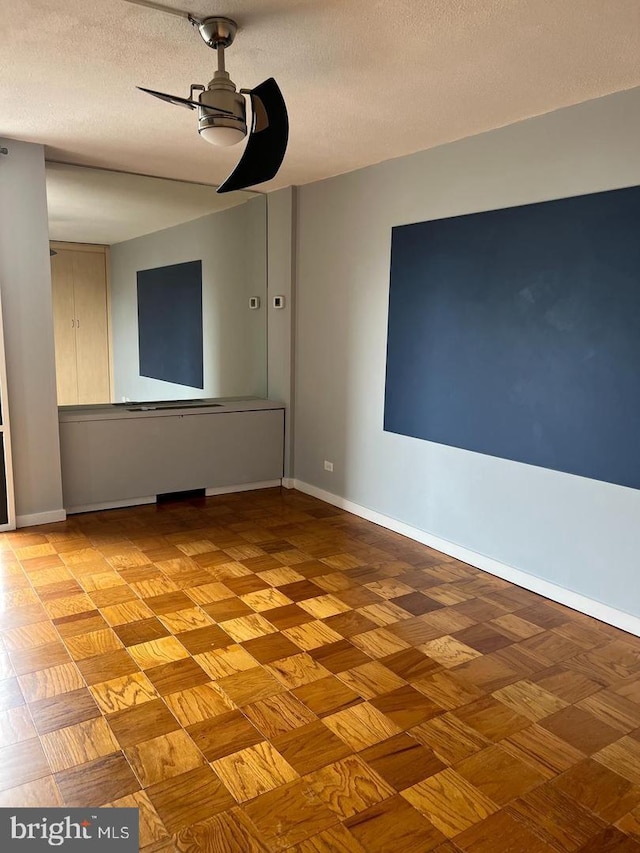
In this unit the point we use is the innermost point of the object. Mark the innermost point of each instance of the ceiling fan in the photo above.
(222, 118)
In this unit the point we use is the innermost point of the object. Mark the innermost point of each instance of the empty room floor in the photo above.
(264, 672)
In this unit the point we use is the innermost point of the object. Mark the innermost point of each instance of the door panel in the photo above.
(64, 327)
(92, 341)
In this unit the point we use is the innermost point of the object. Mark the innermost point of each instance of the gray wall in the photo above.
(281, 213)
(232, 245)
(580, 534)
(25, 280)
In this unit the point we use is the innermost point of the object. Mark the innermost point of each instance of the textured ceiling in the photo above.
(365, 80)
(96, 206)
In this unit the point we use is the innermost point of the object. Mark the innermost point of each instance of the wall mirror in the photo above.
(159, 288)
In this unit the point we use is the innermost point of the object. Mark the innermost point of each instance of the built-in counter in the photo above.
(127, 454)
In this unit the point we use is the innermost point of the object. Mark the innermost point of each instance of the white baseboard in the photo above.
(74, 510)
(574, 600)
(243, 487)
(37, 518)
(288, 483)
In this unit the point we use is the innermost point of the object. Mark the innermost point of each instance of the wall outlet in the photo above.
(328, 466)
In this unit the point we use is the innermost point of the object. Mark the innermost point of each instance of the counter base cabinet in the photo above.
(112, 461)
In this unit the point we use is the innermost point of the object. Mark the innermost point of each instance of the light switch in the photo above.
(278, 301)
(254, 302)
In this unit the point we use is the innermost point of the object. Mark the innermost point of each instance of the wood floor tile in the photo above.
(16, 725)
(228, 832)
(541, 749)
(229, 608)
(623, 757)
(41, 793)
(93, 643)
(613, 709)
(361, 726)
(355, 690)
(271, 647)
(249, 686)
(450, 802)
(394, 825)
(28, 636)
(514, 836)
(278, 715)
(178, 675)
(491, 718)
(287, 617)
(142, 722)
(406, 706)
(80, 623)
(411, 664)
(158, 652)
(189, 798)
(79, 744)
(51, 682)
(580, 729)
(311, 635)
(130, 611)
(449, 738)
(220, 663)
(336, 839)
(530, 700)
(611, 840)
(289, 814)
(63, 710)
(121, 693)
(349, 786)
(297, 670)
(499, 775)
(449, 651)
(21, 763)
(161, 757)
(169, 602)
(605, 793)
(402, 761)
(371, 679)
(107, 666)
(254, 771)
(556, 818)
(152, 830)
(310, 747)
(198, 703)
(98, 782)
(224, 734)
(379, 643)
(446, 690)
(339, 656)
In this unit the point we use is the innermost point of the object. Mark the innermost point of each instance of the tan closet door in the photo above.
(64, 327)
(92, 334)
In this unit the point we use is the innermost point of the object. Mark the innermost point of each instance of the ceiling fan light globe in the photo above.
(222, 136)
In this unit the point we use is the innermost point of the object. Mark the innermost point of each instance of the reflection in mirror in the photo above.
(159, 288)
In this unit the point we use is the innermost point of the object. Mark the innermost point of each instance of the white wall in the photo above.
(25, 279)
(232, 245)
(580, 534)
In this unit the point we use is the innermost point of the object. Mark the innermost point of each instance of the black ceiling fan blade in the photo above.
(181, 102)
(267, 142)
(171, 99)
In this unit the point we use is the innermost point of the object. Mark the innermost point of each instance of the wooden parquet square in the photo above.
(263, 672)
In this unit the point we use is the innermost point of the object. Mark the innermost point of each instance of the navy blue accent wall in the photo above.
(516, 333)
(170, 323)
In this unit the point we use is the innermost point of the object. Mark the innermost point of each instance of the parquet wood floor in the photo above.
(263, 672)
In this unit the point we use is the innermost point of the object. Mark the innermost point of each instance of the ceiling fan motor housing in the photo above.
(221, 94)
